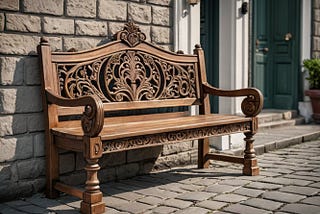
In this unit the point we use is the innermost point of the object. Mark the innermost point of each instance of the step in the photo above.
(282, 123)
(270, 115)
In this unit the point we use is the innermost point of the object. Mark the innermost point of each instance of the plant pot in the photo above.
(315, 103)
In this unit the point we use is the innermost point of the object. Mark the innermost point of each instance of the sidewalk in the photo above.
(289, 182)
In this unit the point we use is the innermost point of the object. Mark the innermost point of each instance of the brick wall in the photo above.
(315, 47)
(78, 24)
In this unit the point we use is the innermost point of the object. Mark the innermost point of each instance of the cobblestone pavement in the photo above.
(289, 183)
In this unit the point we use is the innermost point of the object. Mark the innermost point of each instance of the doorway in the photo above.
(275, 52)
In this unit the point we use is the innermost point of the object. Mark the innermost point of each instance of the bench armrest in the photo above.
(93, 116)
(251, 106)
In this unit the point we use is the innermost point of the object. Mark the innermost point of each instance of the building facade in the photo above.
(221, 26)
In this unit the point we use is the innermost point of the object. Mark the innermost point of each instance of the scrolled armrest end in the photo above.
(252, 105)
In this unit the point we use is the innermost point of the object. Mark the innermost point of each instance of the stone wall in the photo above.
(315, 47)
(78, 24)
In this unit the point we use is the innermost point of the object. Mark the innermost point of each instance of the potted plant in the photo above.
(313, 66)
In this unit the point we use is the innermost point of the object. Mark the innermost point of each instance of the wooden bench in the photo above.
(129, 74)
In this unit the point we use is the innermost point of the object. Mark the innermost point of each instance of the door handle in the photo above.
(288, 37)
(265, 49)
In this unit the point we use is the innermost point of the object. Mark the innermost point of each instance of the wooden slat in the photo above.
(224, 157)
(75, 144)
(118, 106)
(129, 129)
(69, 190)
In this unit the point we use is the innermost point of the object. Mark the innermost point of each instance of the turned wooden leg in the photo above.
(92, 197)
(52, 167)
(250, 161)
(203, 150)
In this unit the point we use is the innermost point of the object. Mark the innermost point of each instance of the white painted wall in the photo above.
(305, 109)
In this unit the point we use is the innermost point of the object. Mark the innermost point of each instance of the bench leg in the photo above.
(250, 161)
(52, 167)
(92, 197)
(203, 150)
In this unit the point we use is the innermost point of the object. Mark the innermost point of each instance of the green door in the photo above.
(276, 25)
(209, 38)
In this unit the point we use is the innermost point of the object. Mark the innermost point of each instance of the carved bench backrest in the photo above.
(128, 73)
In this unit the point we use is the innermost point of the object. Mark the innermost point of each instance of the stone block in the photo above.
(81, 8)
(160, 2)
(161, 35)
(106, 175)
(316, 43)
(316, 4)
(80, 43)
(66, 162)
(8, 100)
(38, 184)
(77, 178)
(11, 70)
(176, 148)
(24, 23)
(39, 145)
(35, 122)
(54, 7)
(1, 21)
(316, 27)
(139, 13)
(113, 159)
(81, 162)
(161, 16)
(18, 44)
(316, 15)
(31, 70)
(114, 27)
(58, 25)
(127, 170)
(146, 29)
(5, 172)
(12, 124)
(55, 43)
(112, 10)
(9, 5)
(28, 99)
(16, 148)
(10, 190)
(169, 161)
(91, 28)
(31, 168)
(143, 154)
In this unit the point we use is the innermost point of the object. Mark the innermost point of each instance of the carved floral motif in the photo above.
(172, 137)
(128, 76)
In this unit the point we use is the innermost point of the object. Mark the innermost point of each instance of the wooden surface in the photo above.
(130, 74)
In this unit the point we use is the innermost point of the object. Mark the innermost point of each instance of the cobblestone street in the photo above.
(289, 182)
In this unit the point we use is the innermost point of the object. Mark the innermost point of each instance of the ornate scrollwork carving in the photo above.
(172, 137)
(128, 76)
(251, 105)
(131, 34)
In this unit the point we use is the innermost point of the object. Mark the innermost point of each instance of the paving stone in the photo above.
(234, 182)
(7, 209)
(282, 197)
(134, 207)
(304, 177)
(262, 203)
(230, 198)
(151, 200)
(157, 193)
(177, 203)
(243, 209)
(263, 186)
(174, 187)
(248, 192)
(286, 181)
(32, 209)
(301, 208)
(211, 205)
(217, 188)
(114, 202)
(315, 200)
(164, 210)
(316, 185)
(196, 196)
(309, 191)
(193, 210)
(129, 196)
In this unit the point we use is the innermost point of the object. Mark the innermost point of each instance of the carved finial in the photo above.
(197, 46)
(131, 34)
(44, 41)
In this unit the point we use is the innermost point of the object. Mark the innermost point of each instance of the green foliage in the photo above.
(313, 66)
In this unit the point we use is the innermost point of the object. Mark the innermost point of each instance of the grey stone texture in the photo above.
(9, 5)
(24, 23)
(160, 192)
(54, 7)
(81, 8)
